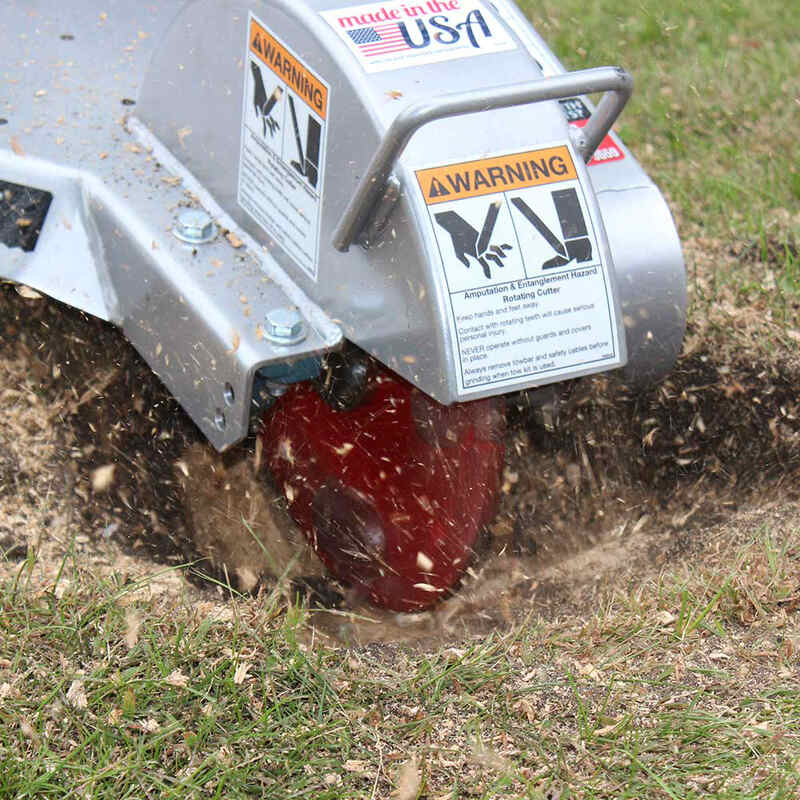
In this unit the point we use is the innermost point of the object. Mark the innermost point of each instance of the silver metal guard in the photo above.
(614, 81)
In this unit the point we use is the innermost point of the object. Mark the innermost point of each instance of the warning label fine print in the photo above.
(284, 136)
(528, 283)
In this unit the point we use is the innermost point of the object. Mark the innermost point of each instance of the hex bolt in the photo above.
(194, 226)
(285, 326)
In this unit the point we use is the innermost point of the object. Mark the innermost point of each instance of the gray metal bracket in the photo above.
(196, 314)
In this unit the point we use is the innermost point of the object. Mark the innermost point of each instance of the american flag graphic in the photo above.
(375, 40)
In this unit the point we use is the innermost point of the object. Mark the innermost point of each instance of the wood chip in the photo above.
(241, 673)
(103, 477)
(27, 292)
(132, 625)
(177, 678)
(409, 781)
(234, 240)
(76, 695)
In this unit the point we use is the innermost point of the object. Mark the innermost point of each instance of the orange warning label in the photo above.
(498, 174)
(289, 69)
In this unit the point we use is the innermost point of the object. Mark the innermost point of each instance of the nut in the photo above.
(285, 326)
(194, 226)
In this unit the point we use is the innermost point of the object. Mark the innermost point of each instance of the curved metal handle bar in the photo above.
(614, 81)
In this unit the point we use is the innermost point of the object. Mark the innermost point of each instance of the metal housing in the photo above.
(119, 172)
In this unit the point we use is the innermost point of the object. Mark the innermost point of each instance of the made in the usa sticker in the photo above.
(395, 35)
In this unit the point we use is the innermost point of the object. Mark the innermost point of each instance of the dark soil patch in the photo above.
(108, 408)
(597, 462)
(770, 251)
(10, 548)
(10, 473)
(708, 438)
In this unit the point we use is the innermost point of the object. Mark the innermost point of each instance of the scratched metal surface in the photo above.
(106, 246)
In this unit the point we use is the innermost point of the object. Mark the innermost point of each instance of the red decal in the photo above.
(609, 149)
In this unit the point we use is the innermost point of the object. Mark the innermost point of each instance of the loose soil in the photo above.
(98, 462)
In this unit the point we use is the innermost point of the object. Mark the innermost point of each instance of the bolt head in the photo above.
(194, 226)
(285, 326)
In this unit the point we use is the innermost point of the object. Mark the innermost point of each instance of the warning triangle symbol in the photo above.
(438, 189)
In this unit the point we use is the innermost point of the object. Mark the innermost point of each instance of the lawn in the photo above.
(659, 663)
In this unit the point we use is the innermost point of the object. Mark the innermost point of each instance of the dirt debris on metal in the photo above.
(94, 451)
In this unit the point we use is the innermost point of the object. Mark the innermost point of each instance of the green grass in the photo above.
(716, 104)
(712, 119)
(680, 687)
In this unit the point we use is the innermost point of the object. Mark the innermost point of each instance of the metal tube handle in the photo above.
(614, 81)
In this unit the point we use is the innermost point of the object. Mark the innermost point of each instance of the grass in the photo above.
(716, 101)
(683, 683)
(712, 120)
(681, 687)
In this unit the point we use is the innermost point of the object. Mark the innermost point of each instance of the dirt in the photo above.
(97, 460)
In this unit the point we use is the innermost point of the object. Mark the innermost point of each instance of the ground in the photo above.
(630, 626)
(97, 454)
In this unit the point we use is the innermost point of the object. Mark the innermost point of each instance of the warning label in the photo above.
(284, 134)
(528, 284)
(396, 34)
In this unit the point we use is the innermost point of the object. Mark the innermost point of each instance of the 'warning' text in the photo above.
(499, 174)
(289, 69)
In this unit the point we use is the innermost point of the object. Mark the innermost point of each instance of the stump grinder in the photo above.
(351, 228)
